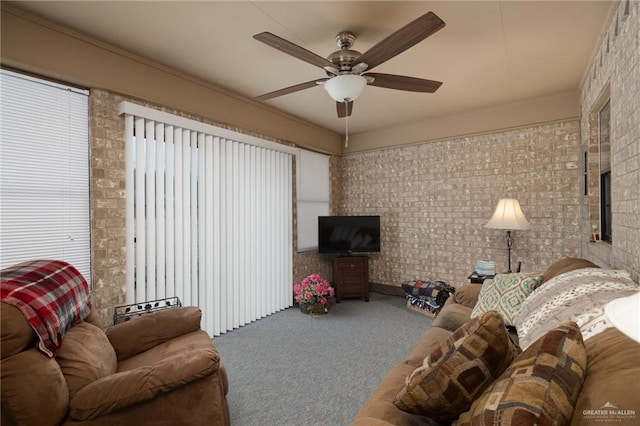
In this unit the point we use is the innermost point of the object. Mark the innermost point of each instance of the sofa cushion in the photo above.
(189, 342)
(33, 390)
(565, 265)
(146, 331)
(467, 294)
(17, 334)
(458, 370)
(579, 296)
(85, 356)
(121, 390)
(612, 371)
(505, 294)
(541, 386)
(452, 317)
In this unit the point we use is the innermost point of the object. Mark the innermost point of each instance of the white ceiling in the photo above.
(490, 53)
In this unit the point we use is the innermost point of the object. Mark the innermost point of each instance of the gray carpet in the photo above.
(296, 369)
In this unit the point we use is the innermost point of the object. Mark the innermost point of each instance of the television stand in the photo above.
(351, 277)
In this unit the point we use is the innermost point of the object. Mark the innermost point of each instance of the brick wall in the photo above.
(435, 198)
(615, 73)
(107, 177)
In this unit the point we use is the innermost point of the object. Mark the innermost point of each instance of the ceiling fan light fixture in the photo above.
(345, 87)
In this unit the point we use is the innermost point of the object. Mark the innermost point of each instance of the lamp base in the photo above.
(509, 245)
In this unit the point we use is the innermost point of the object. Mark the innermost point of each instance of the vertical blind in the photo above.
(209, 218)
(44, 172)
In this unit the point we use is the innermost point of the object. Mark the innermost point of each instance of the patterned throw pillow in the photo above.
(540, 387)
(505, 293)
(459, 369)
(579, 296)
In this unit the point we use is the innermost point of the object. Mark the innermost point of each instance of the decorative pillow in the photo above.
(85, 356)
(505, 293)
(459, 369)
(578, 296)
(540, 387)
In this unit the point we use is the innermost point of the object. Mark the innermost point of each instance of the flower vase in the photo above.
(314, 308)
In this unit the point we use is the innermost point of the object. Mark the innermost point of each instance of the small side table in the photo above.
(474, 278)
(351, 277)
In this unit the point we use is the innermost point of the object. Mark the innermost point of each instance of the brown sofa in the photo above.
(159, 369)
(612, 376)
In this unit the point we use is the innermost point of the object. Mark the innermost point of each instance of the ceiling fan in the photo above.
(346, 68)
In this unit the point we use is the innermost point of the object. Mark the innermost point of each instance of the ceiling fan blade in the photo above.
(401, 40)
(290, 89)
(401, 82)
(294, 50)
(344, 108)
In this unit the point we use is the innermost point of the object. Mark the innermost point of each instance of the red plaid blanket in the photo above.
(51, 294)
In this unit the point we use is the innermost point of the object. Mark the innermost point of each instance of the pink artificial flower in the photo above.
(313, 288)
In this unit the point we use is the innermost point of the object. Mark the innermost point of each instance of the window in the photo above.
(313, 196)
(605, 205)
(44, 172)
(604, 136)
(585, 173)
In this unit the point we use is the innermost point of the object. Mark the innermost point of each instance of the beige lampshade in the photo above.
(508, 215)
(624, 314)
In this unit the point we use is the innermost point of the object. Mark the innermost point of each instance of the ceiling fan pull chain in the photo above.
(346, 125)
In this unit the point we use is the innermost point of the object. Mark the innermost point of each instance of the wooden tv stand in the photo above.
(351, 277)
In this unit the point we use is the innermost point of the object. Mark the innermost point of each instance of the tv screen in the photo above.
(348, 234)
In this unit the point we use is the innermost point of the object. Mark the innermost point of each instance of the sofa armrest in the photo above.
(467, 295)
(120, 390)
(149, 330)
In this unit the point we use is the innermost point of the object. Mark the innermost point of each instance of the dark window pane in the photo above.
(605, 205)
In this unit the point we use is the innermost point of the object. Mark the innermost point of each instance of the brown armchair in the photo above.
(159, 369)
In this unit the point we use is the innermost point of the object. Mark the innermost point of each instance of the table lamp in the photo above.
(508, 215)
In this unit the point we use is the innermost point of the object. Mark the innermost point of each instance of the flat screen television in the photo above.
(348, 234)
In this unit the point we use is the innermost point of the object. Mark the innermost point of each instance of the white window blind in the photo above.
(314, 196)
(44, 172)
(209, 218)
